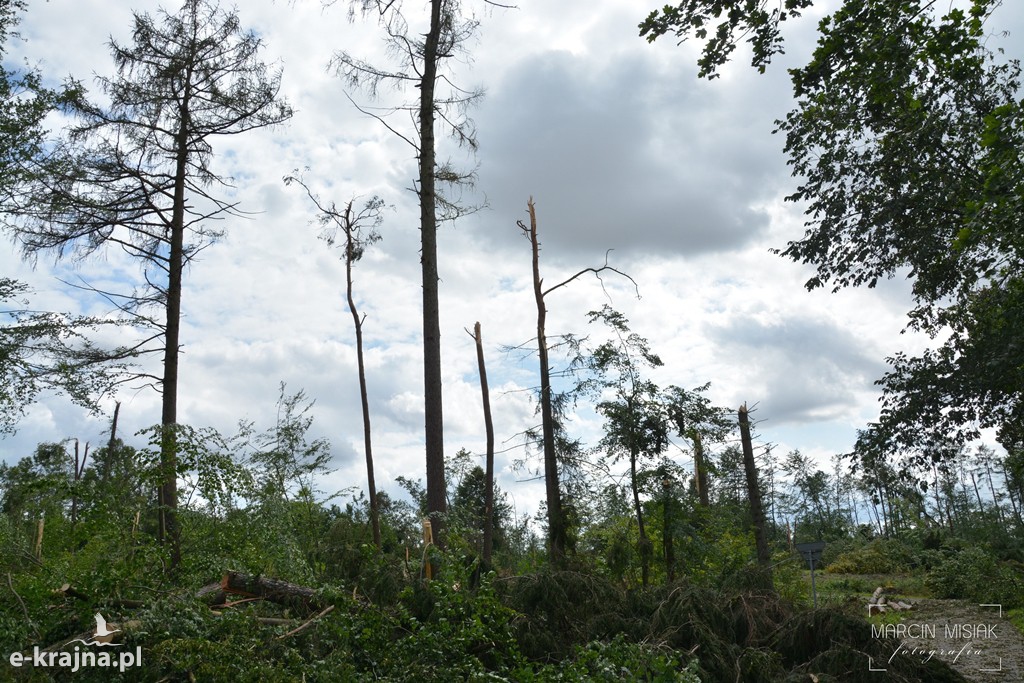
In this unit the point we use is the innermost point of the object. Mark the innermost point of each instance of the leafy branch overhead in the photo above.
(755, 21)
(42, 351)
(905, 142)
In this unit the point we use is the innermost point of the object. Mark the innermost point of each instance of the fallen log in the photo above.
(879, 603)
(274, 590)
(212, 594)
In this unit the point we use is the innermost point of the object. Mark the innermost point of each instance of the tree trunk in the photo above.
(113, 427)
(700, 470)
(645, 543)
(667, 537)
(432, 402)
(1013, 499)
(274, 590)
(357, 321)
(170, 533)
(556, 520)
(756, 511)
(489, 428)
(992, 489)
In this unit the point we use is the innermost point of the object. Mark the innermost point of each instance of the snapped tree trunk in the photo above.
(489, 429)
(274, 590)
(556, 520)
(764, 557)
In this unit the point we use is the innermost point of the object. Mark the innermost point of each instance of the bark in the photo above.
(977, 493)
(1013, 499)
(753, 491)
(69, 591)
(556, 520)
(489, 428)
(274, 590)
(113, 429)
(170, 534)
(667, 537)
(992, 489)
(432, 394)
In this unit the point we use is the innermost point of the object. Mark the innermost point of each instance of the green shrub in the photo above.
(616, 660)
(975, 574)
(880, 556)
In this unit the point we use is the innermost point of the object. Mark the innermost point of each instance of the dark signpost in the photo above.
(812, 553)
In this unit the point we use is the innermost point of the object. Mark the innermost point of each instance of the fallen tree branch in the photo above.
(28, 618)
(327, 610)
(274, 590)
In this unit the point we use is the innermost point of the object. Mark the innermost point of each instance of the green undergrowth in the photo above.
(543, 626)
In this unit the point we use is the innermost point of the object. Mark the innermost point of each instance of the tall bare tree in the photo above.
(135, 175)
(346, 225)
(421, 63)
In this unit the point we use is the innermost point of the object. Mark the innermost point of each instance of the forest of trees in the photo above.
(664, 549)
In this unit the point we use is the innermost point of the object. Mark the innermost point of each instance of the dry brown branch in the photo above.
(327, 610)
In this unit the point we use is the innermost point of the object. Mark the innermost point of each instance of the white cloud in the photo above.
(622, 148)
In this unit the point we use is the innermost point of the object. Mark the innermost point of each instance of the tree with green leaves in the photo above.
(39, 351)
(906, 139)
(24, 106)
(755, 20)
(480, 515)
(135, 175)
(696, 419)
(636, 425)
(43, 352)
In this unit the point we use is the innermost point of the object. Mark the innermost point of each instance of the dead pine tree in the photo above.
(557, 522)
(347, 227)
(135, 175)
(764, 557)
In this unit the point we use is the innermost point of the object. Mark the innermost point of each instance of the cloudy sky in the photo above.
(622, 148)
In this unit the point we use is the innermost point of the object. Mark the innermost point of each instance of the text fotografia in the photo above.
(955, 642)
(927, 653)
(78, 659)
